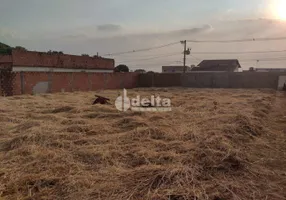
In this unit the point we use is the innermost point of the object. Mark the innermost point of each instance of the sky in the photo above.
(111, 26)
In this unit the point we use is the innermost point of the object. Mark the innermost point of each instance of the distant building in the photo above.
(218, 66)
(175, 69)
(270, 70)
(31, 61)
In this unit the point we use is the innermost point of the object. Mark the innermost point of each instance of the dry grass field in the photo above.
(59, 146)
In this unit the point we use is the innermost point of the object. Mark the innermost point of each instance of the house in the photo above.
(32, 61)
(175, 69)
(231, 65)
(270, 69)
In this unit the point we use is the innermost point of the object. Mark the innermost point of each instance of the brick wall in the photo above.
(46, 82)
(40, 59)
(5, 58)
(16, 83)
(5, 62)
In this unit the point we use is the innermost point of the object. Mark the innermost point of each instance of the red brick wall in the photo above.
(5, 61)
(5, 58)
(61, 82)
(97, 81)
(31, 79)
(69, 82)
(39, 59)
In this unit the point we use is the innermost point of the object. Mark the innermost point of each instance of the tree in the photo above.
(251, 69)
(121, 68)
(5, 49)
(141, 71)
(85, 55)
(4, 46)
(50, 52)
(20, 48)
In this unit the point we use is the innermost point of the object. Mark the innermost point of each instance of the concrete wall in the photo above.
(16, 83)
(159, 80)
(41, 59)
(212, 80)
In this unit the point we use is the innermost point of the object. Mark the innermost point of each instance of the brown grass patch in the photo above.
(59, 146)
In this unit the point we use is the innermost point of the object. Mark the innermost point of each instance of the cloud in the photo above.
(120, 41)
(115, 32)
(109, 27)
(74, 36)
(195, 30)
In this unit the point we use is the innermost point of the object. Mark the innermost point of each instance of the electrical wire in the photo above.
(238, 40)
(197, 58)
(240, 52)
(265, 59)
(151, 58)
(260, 61)
(141, 50)
(158, 63)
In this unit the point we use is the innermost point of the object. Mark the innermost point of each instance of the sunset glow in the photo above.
(279, 9)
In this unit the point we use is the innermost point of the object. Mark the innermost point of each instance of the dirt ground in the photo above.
(215, 145)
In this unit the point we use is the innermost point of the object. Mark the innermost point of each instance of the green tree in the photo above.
(20, 48)
(55, 52)
(5, 49)
(121, 68)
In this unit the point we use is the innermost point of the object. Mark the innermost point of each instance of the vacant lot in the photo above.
(215, 144)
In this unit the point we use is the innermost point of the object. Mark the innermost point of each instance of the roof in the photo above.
(217, 65)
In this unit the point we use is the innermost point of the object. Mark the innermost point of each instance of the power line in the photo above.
(156, 64)
(264, 59)
(241, 52)
(197, 58)
(250, 61)
(238, 40)
(142, 56)
(141, 50)
(151, 58)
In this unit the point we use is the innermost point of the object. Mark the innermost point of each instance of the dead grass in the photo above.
(214, 145)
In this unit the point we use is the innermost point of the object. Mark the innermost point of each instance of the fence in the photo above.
(16, 83)
(212, 80)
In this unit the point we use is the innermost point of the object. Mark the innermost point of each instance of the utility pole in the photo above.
(186, 52)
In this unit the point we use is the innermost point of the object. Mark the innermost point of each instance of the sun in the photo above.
(279, 9)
